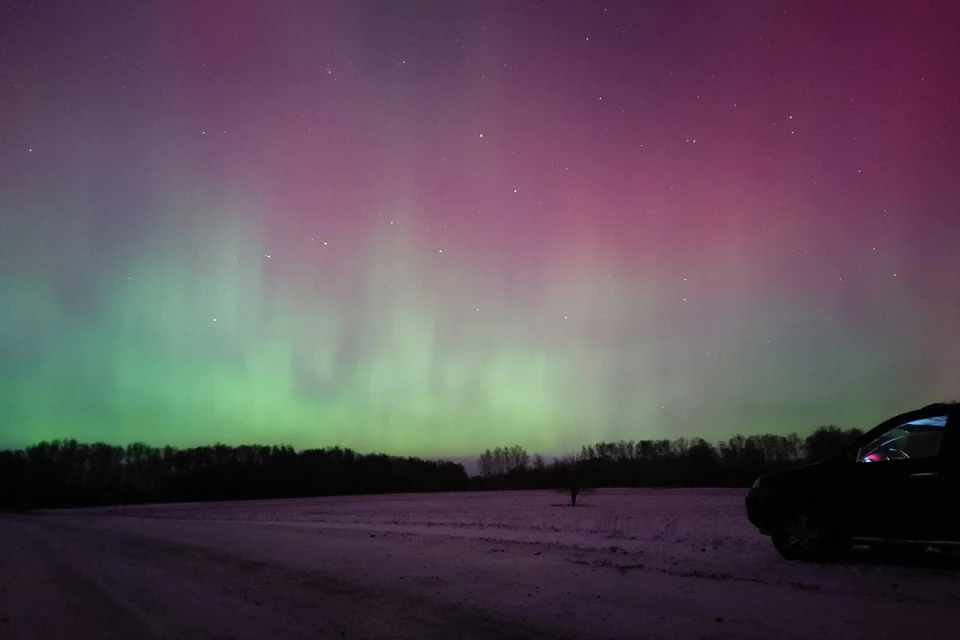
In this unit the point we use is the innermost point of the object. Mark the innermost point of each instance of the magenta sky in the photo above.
(434, 227)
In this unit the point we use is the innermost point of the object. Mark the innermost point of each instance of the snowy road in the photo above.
(640, 564)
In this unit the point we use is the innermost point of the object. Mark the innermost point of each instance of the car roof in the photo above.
(948, 407)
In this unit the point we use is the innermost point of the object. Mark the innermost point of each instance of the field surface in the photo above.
(623, 564)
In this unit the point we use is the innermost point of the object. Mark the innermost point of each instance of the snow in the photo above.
(677, 530)
(622, 564)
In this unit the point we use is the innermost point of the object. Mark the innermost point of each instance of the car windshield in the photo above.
(914, 439)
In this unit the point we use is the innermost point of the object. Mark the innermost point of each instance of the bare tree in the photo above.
(571, 469)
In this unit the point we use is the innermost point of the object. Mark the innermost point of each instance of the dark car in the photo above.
(898, 484)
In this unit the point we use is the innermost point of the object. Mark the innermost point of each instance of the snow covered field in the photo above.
(622, 564)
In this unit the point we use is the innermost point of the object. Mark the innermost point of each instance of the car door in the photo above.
(948, 525)
(894, 485)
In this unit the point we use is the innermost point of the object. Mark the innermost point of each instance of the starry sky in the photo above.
(429, 228)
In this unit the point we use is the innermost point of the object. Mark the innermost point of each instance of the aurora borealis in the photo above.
(429, 228)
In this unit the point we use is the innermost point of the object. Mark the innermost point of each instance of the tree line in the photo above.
(65, 473)
(682, 462)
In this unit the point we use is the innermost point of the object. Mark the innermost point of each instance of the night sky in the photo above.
(429, 228)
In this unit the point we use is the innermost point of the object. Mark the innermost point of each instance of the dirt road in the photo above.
(82, 576)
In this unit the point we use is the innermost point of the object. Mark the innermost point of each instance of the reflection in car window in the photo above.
(913, 439)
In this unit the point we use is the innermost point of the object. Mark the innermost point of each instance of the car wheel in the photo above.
(807, 534)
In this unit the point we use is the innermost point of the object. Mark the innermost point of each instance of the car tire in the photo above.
(807, 534)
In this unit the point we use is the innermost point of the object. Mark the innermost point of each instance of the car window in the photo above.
(914, 439)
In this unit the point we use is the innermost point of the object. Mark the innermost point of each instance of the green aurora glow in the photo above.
(238, 228)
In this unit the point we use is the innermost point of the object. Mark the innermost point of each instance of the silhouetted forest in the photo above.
(660, 463)
(66, 473)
